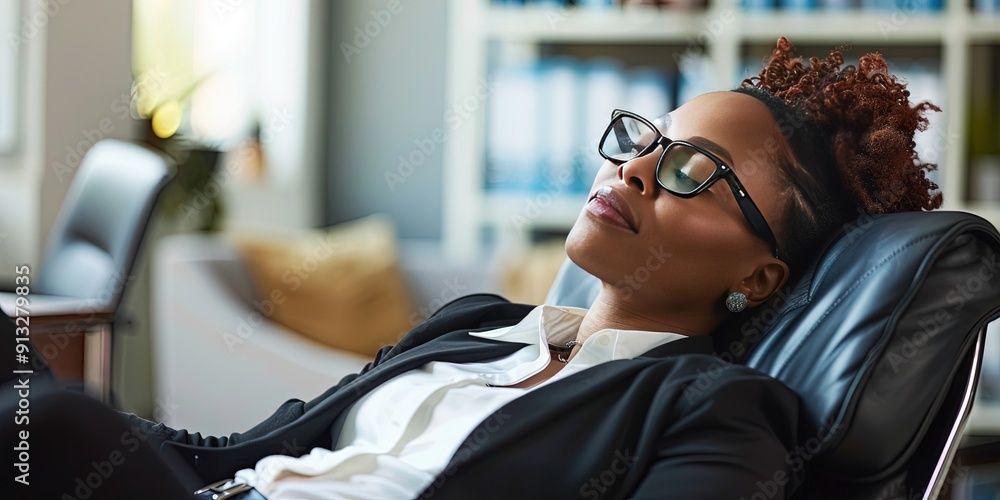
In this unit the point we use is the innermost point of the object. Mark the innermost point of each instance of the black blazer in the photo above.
(673, 423)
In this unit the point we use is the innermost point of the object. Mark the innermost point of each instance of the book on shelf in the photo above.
(906, 6)
(835, 5)
(602, 4)
(758, 5)
(594, 4)
(799, 5)
(604, 90)
(983, 125)
(648, 92)
(879, 6)
(560, 79)
(546, 118)
(924, 81)
(986, 6)
(513, 129)
(693, 78)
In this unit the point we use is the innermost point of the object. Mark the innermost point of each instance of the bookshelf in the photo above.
(727, 35)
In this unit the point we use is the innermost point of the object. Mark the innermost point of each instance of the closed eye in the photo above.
(683, 180)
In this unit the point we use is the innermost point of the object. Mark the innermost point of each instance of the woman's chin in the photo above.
(576, 240)
(590, 248)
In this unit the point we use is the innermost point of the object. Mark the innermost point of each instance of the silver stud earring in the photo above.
(736, 302)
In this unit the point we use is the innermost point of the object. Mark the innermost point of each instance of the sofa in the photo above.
(220, 367)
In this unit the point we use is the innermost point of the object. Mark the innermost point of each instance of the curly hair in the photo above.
(850, 131)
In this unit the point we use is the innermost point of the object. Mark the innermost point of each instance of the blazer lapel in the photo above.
(454, 347)
(701, 344)
(535, 409)
(460, 347)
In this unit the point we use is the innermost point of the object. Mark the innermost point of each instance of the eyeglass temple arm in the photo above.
(750, 210)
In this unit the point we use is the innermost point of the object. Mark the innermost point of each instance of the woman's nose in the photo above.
(639, 173)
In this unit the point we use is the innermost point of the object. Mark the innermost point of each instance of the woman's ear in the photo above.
(765, 280)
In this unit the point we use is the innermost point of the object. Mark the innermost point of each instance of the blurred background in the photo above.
(434, 148)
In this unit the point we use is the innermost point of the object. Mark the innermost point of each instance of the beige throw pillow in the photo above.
(528, 275)
(341, 286)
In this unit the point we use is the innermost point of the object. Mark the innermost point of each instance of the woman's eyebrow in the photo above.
(712, 146)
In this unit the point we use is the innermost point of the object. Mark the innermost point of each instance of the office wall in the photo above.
(386, 99)
(21, 168)
(88, 78)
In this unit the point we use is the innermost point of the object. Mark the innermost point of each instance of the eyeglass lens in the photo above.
(682, 170)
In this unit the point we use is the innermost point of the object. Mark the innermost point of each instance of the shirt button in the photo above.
(604, 340)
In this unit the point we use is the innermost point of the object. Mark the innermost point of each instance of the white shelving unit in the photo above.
(469, 208)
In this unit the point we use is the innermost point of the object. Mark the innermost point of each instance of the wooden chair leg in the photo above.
(97, 359)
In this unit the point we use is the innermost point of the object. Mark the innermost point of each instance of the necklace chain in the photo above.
(560, 350)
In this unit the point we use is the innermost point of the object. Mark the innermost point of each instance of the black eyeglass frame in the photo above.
(750, 211)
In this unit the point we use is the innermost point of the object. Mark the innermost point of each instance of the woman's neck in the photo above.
(610, 312)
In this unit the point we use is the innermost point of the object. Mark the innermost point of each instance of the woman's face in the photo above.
(685, 255)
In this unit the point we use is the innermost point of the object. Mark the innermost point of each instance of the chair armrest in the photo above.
(52, 313)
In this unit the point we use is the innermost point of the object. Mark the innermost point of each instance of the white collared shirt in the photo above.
(400, 435)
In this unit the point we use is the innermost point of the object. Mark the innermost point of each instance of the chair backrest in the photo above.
(879, 337)
(96, 235)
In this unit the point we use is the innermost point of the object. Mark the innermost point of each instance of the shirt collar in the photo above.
(559, 324)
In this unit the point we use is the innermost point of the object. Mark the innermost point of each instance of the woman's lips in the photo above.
(609, 206)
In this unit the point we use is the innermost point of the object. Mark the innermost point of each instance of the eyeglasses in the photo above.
(684, 169)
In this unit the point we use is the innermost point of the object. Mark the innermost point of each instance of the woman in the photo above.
(493, 399)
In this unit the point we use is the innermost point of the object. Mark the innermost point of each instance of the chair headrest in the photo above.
(871, 335)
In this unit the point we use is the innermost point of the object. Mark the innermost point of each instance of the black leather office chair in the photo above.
(882, 338)
(88, 256)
